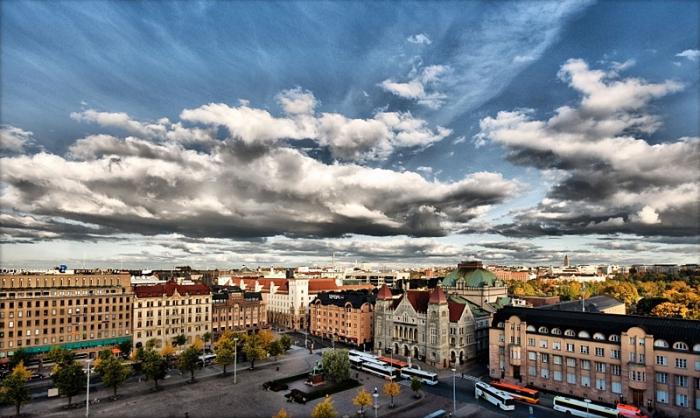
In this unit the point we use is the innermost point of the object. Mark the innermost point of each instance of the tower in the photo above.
(438, 329)
(298, 296)
(566, 260)
(382, 318)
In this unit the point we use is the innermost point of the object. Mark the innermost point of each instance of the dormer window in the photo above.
(680, 346)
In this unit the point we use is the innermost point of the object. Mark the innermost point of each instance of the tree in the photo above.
(276, 348)
(392, 389)
(362, 399)
(266, 338)
(670, 310)
(286, 342)
(206, 337)
(281, 414)
(416, 385)
(168, 350)
(14, 388)
(125, 348)
(189, 361)
(19, 356)
(69, 378)
(60, 356)
(113, 372)
(151, 344)
(198, 343)
(254, 350)
(336, 365)
(324, 409)
(180, 340)
(621, 290)
(154, 366)
(225, 350)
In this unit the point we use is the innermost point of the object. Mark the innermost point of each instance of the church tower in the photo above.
(438, 329)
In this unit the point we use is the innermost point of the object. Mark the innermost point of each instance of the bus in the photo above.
(520, 393)
(497, 397)
(380, 370)
(583, 408)
(428, 378)
(356, 362)
(362, 354)
(206, 359)
(393, 362)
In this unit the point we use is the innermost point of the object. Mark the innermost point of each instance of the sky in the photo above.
(220, 134)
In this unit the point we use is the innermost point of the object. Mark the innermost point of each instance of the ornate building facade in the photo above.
(237, 311)
(345, 316)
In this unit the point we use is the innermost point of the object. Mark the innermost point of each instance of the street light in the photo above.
(376, 404)
(454, 393)
(587, 401)
(235, 358)
(87, 397)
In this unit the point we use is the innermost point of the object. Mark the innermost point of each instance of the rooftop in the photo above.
(593, 304)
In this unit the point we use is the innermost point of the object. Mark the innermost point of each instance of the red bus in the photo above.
(520, 393)
(393, 362)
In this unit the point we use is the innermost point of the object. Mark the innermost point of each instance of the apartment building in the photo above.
(80, 312)
(164, 311)
(235, 310)
(653, 363)
(345, 316)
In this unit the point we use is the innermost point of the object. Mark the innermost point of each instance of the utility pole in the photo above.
(235, 358)
(87, 396)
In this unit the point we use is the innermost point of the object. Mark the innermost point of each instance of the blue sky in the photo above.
(386, 90)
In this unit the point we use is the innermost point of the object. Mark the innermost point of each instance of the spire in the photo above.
(438, 296)
(384, 293)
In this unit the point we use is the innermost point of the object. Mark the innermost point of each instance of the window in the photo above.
(600, 352)
(599, 336)
(638, 376)
(544, 357)
(633, 357)
(600, 367)
(532, 371)
(556, 345)
(556, 360)
(570, 362)
(682, 400)
(531, 355)
(681, 363)
(600, 384)
(542, 330)
(661, 377)
(661, 396)
(571, 378)
(570, 348)
(697, 365)
(585, 364)
(569, 333)
(680, 346)
(616, 387)
(682, 381)
(544, 373)
(661, 360)
(557, 376)
(531, 342)
(615, 354)
(661, 344)
(584, 349)
(614, 338)
(556, 331)
(584, 334)
(585, 381)
(543, 343)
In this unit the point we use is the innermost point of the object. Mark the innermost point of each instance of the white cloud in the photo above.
(13, 139)
(419, 38)
(420, 87)
(690, 54)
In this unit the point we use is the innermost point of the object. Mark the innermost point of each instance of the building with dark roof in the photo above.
(646, 361)
(235, 310)
(471, 281)
(595, 304)
(345, 316)
(427, 325)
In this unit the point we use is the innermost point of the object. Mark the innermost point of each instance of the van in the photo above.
(630, 411)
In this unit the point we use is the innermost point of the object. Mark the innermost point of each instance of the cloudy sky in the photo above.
(227, 133)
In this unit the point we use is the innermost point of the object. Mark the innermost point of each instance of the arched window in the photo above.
(500, 325)
(661, 344)
(696, 348)
(556, 331)
(584, 334)
(614, 338)
(569, 333)
(543, 330)
(680, 346)
(599, 336)
(531, 328)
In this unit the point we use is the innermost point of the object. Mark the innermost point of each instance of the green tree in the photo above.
(104, 354)
(392, 389)
(113, 372)
(254, 349)
(336, 365)
(154, 366)
(207, 338)
(125, 348)
(324, 409)
(225, 349)
(14, 390)
(69, 378)
(416, 385)
(276, 348)
(60, 356)
(189, 361)
(362, 399)
(19, 356)
(180, 340)
(286, 342)
(151, 344)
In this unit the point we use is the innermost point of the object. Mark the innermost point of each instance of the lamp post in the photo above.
(454, 393)
(375, 395)
(588, 401)
(87, 396)
(235, 358)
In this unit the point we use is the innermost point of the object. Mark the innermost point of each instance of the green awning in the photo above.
(78, 345)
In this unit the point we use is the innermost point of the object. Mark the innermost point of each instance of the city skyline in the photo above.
(221, 134)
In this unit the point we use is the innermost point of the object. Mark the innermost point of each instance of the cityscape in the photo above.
(349, 209)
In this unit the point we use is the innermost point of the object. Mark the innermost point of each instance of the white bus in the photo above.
(207, 359)
(497, 397)
(380, 370)
(428, 378)
(355, 362)
(583, 409)
(362, 354)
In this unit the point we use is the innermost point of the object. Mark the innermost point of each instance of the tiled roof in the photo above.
(669, 329)
(169, 288)
(438, 296)
(384, 293)
(322, 285)
(456, 310)
(418, 299)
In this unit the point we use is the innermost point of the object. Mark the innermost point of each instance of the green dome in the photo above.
(470, 278)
